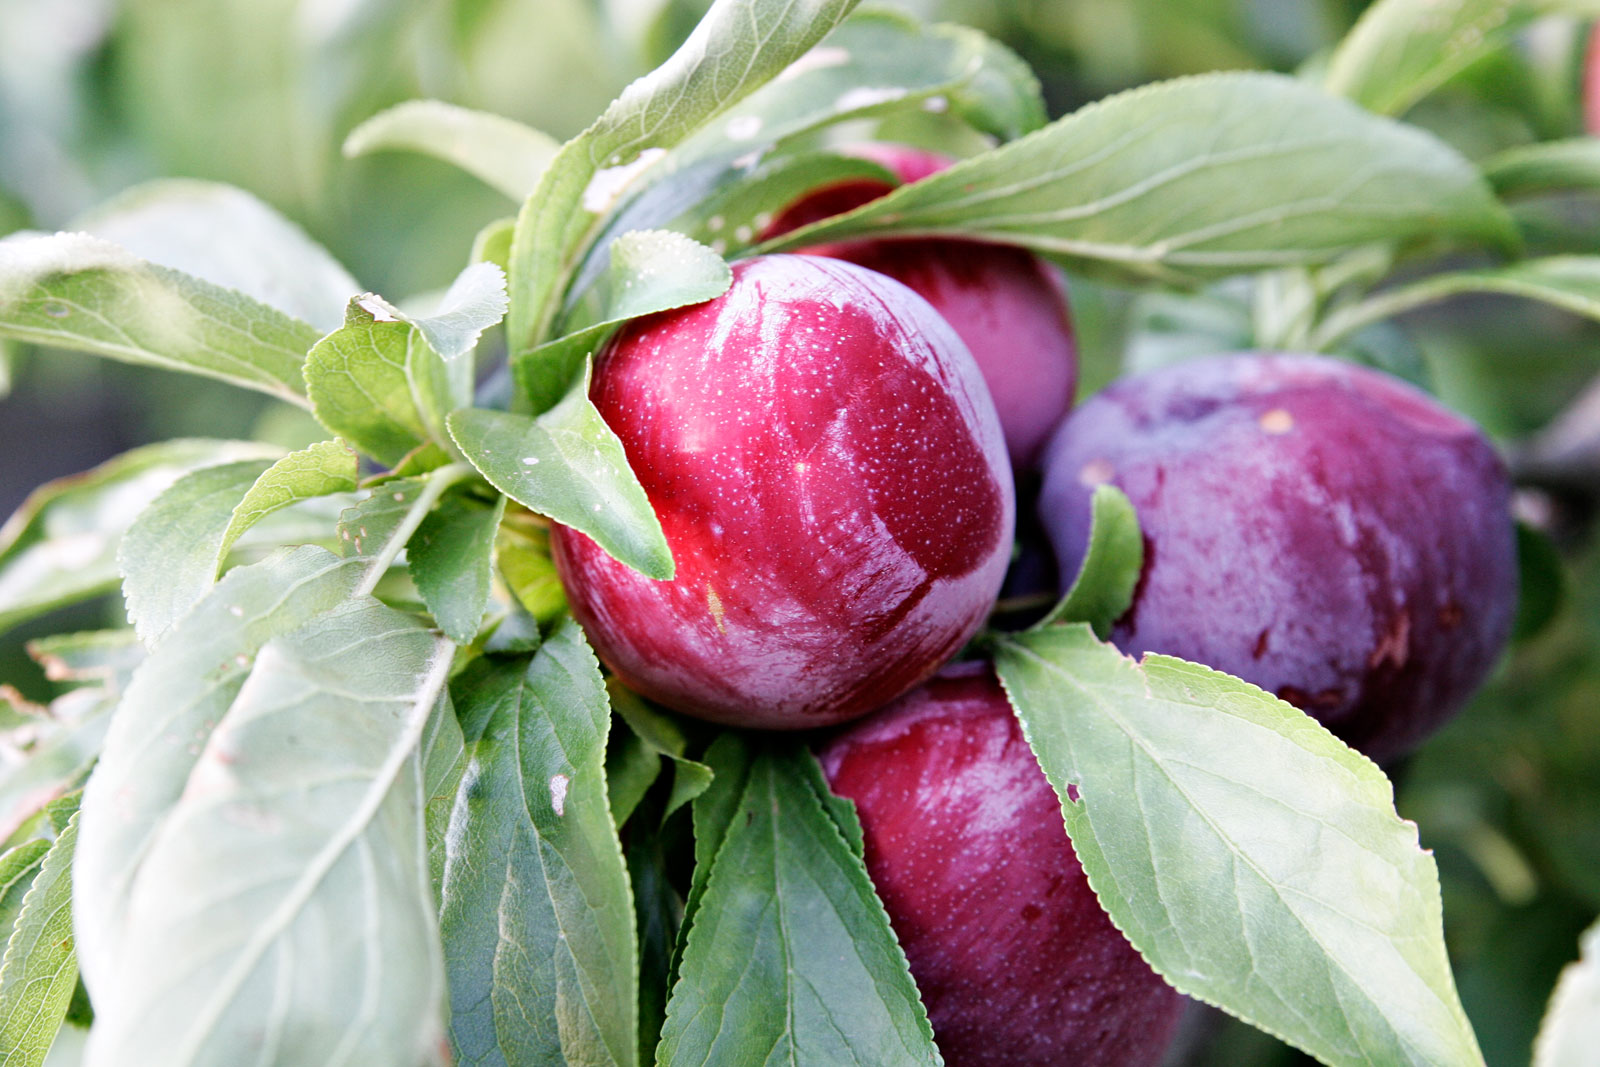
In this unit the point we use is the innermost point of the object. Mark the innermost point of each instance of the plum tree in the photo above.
(830, 475)
(1015, 959)
(1006, 303)
(1320, 529)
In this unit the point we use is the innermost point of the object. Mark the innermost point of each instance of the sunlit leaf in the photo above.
(502, 152)
(1216, 174)
(74, 291)
(229, 238)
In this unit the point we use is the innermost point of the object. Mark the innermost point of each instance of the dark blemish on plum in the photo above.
(1030, 912)
(1325, 700)
(1260, 648)
(1395, 644)
(1129, 622)
(1451, 615)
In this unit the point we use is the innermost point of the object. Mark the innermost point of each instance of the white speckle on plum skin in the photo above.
(558, 793)
(1096, 472)
(1277, 421)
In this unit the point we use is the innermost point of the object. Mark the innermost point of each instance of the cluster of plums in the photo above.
(830, 448)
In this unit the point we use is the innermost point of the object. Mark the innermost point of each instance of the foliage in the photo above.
(352, 786)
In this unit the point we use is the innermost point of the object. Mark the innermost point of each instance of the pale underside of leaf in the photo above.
(314, 939)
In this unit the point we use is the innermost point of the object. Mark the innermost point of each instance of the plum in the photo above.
(1322, 530)
(829, 472)
(1015, 959)
(1007, 304)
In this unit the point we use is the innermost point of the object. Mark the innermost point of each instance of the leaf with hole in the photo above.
(1251, 857)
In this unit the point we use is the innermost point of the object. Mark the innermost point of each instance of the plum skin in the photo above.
(1319, 529)
(1015, 959)
(1006, 303)
(828, 470)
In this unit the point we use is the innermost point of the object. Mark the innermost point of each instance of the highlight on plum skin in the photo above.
(1006, 303)
(828, 469)
(1325, 531)
(1015, 959)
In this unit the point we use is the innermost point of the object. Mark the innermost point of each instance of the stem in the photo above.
(1346, 321)
(432, 490)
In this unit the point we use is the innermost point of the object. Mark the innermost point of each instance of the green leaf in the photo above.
(662, 737)
(378, 382)
(50, 755)
(1551, 166)
(1252, 858)
(522, 550)
(650, 271)
(443, 763)
(1571, 1028)
(60, 546)
(19, 866)
(656, 909)
(1402, 50)
(878, 61)
(538, 917)
(74, 291)
(226, 236)
(738, 46)
(323, 469)
(632, 767)
(730, 218)
(790, 957)
(501, 152)
(176, 698)
(170, 555)
(386, 380)
(41, 966)
(567, 464)
(302, 817)
(1568, 282)
(1110, 570)
(106, 657)
(1188, 179)
(492, 244)
(450, 560)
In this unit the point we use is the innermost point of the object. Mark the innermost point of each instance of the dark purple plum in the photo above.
(1322, 530)
(1017, 963)
(1006, 303)
(829, 472)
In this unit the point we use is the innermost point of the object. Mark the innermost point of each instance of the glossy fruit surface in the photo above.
(1007, 304)
(829, 472)
(1322, 530)
(1016, 961)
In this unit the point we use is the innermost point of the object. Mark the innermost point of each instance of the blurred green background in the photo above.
(96, 95)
